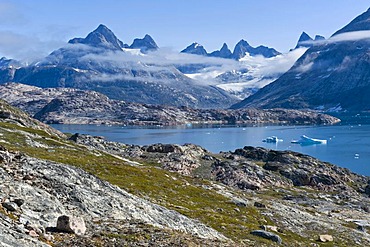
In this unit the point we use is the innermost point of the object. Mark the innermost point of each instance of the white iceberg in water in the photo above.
(305, 140)
(272, 139)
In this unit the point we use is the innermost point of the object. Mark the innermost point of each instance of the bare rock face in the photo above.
(71, 224)
(57, 189)
(254, 168)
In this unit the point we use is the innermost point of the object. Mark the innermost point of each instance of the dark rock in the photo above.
(10, 206)
(361, 228)
(367, 190)
(163, 148)
(71, 224)
(259, 205)
(244, 185)
(268, 235)
(18, 201)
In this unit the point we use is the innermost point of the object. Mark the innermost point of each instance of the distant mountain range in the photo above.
(143, 73)
(242, 48)
(332, 74)
(103, 63)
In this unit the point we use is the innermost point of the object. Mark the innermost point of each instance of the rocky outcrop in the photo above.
(268, 235)
(50, 190)
(256, 168)
(11, 114)
(71, 106)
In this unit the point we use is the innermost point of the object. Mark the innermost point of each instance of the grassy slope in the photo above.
(189, 196)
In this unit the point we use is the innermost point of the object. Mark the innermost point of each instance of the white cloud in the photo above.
(350, 36)
(23, 47)
(342, 37)
(261, 66)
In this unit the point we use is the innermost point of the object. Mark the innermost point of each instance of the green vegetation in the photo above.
(192, 197)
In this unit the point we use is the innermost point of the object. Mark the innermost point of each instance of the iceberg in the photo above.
(272, 139)
(305, 140)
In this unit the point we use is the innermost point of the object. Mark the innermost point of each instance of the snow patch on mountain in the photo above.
(245, 77)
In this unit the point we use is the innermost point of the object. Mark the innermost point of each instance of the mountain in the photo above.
(101, 37)
(360, 23)
(224, 52)
(196, 49)
(9, 63)
(242, 48)
(306, 41)
(145, 44)
(334, 74)
(319, 38)
(100, 63)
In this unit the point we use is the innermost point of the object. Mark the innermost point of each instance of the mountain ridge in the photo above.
(99, 62)
(331, 75)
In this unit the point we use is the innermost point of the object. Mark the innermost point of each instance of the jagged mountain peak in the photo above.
(224, 47)
(145, 44)
(319, 37)
(360, 23)
(304, 37)
(243, 47)
(304, 40)
(224, 52)
(102, 36)
(195, 48)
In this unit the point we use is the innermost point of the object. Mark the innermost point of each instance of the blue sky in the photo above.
(40, 26)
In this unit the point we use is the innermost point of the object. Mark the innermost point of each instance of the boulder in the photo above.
(71, 224)
(268, 235)
(326, 238)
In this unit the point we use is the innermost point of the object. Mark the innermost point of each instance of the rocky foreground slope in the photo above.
(73, 106)
(170, 195)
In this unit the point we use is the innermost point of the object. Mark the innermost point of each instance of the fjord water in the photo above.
(348, 145)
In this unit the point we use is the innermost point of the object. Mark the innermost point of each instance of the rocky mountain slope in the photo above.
(333, 74)
(101, 62)
(170, 195)
(72, 106)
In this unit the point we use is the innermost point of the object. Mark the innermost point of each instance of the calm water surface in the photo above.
(348, 145)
